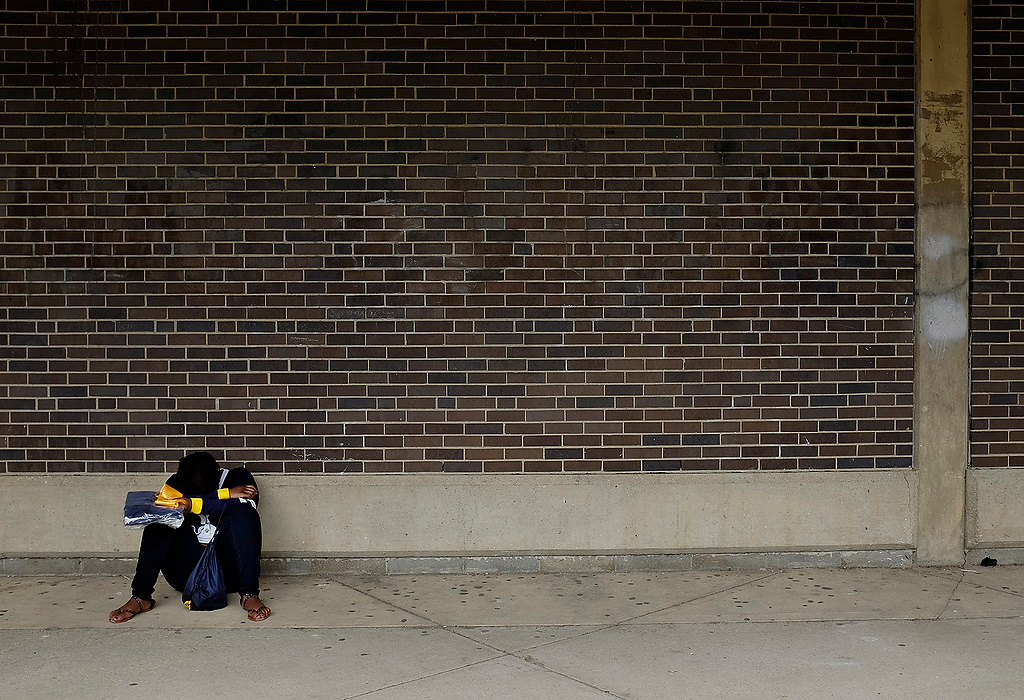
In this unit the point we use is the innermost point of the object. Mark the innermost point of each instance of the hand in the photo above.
(247, 491)
(185, 504)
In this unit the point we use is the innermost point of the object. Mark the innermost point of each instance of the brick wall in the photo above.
(452, 236)
(997, 348)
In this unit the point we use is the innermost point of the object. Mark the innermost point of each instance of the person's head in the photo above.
(199, 473)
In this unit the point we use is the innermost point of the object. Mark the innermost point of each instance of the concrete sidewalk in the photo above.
(799, 634)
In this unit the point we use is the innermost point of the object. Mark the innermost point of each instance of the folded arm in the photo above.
(214, 502)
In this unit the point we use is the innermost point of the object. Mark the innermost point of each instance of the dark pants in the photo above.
(175, 552)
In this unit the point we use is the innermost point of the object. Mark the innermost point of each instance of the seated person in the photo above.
(229, 497)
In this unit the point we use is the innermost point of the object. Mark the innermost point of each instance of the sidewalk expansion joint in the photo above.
(701, 597)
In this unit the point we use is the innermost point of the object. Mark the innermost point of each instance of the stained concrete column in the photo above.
(942, 360)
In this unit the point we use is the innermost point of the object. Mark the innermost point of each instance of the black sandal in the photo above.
(132, 613)
(255, 611)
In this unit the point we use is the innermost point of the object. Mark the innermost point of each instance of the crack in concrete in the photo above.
(521, 655)
(952, 593)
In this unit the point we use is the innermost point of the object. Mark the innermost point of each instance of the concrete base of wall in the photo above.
(995, 516)
(995, 509)
(57, 523)
(71, 524)
(1003, 556)
(273, 565)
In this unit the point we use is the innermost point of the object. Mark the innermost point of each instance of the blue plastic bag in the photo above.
(206, 588)
(140, 510)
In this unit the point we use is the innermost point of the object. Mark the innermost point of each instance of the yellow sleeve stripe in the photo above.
(223, 494)
(197, 505)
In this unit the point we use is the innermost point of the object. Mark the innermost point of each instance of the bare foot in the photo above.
(255, 608)
(134, 606)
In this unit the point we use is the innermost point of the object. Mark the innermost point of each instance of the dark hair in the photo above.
(199, 473)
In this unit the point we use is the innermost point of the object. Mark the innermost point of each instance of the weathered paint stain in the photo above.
(937, 246)
(944, 318)
(943, 162)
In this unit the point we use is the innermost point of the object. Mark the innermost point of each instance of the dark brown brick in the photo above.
(381, 257)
